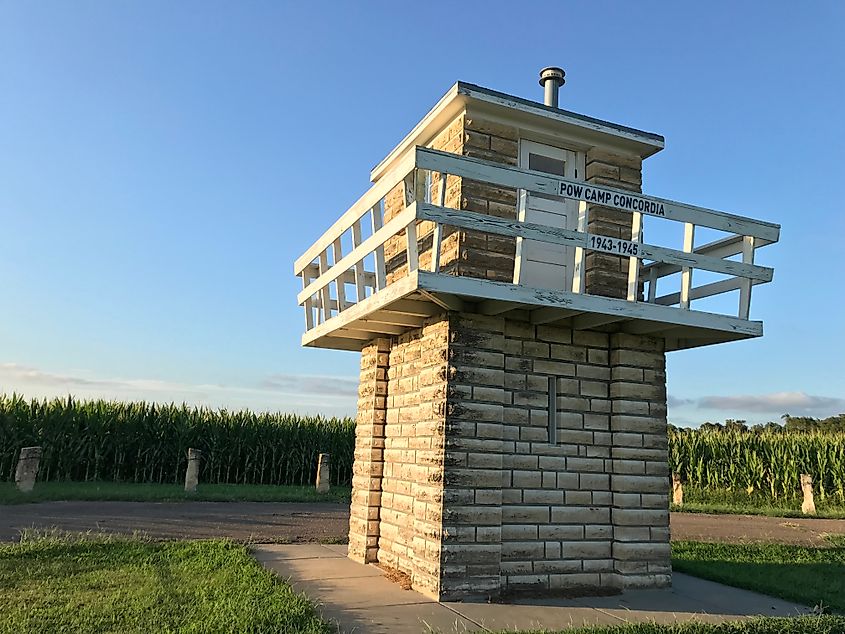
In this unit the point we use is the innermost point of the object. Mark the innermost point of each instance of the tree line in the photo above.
(788, 424)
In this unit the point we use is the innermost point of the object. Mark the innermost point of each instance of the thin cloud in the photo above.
(15, 373)
(795, 403)
(777, 402)
(333, 396)
(297, 384)
(674, 401)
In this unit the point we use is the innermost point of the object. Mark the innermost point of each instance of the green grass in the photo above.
(812, 576)
(698, 500)
(748, 509)
(47, 491)
(80, 585)
(797, 625)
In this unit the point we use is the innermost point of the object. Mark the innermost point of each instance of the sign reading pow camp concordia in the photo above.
(611, 198)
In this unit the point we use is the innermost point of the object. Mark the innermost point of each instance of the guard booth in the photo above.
(513, 320)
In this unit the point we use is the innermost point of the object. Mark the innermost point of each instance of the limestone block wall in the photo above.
(640, 465)
(412, 485)
(466, 253)
(368, 467)
(606, 274)
(590, 510)
(473, 476)
(484, 255)
(474, 499)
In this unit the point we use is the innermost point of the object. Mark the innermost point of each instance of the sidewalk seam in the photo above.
(464, 616)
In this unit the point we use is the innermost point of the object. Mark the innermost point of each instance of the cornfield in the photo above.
(766, 463)
(147, 442)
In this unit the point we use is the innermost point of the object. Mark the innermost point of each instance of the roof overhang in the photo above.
(579, 129)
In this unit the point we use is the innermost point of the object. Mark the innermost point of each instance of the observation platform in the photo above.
(349, 297)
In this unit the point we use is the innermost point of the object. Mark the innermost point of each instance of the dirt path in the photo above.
(258, 521)
(276, 522)
(753, 528)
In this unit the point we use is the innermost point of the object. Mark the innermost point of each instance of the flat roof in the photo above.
(473, 90)
(463, 93)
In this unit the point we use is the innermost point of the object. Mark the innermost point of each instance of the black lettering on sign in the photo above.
(614, 245)
(570, 190)
(631, 203)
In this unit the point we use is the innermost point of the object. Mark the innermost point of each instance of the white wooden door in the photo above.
(540, 264)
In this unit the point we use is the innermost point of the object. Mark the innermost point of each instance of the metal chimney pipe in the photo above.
(551, 79)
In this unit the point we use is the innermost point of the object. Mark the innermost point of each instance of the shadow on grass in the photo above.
(811, 576)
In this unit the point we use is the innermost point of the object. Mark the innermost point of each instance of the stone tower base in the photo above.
(461, 482)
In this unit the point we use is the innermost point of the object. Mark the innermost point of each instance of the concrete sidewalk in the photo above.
(360, 598)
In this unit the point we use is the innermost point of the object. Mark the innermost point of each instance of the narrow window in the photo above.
(552, 410)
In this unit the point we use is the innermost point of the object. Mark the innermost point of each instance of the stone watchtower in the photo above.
(513, 323)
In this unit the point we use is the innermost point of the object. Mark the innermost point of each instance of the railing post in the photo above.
(686, 271)
(437, 236)
(378, 222)
(413, 251)
(746, 284)
(325, 295)
(633, 261)
(309, 304)
(579, 271)
(421, 186)
(360, 290)
(521, 205)
(652, 285)
(409, 184)
(415, 191)
(337, 250)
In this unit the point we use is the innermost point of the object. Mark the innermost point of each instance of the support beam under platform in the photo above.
(407, 302)
(576, 302)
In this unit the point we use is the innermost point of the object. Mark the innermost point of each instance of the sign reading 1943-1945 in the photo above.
(613, 245)
(611, 198)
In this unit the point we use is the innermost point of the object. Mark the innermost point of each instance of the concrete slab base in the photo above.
(359, 598)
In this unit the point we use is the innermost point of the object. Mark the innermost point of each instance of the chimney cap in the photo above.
(552, 73)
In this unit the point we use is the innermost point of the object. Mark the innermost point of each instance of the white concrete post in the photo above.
(324, 473)
(192, 474)
(27, 470)
(677, 490)
(808, 507)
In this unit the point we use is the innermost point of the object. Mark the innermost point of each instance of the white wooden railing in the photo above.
(347, 263)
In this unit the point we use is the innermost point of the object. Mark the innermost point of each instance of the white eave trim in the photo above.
(460, 94)
(450, 104)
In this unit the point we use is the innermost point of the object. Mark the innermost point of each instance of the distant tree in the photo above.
(801, 423)
(708, 426)
(833, 423)
(770, 428)
(773, 427)
(807, 423)
(732, 424)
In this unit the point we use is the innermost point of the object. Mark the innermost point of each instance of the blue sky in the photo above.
(163, 164)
